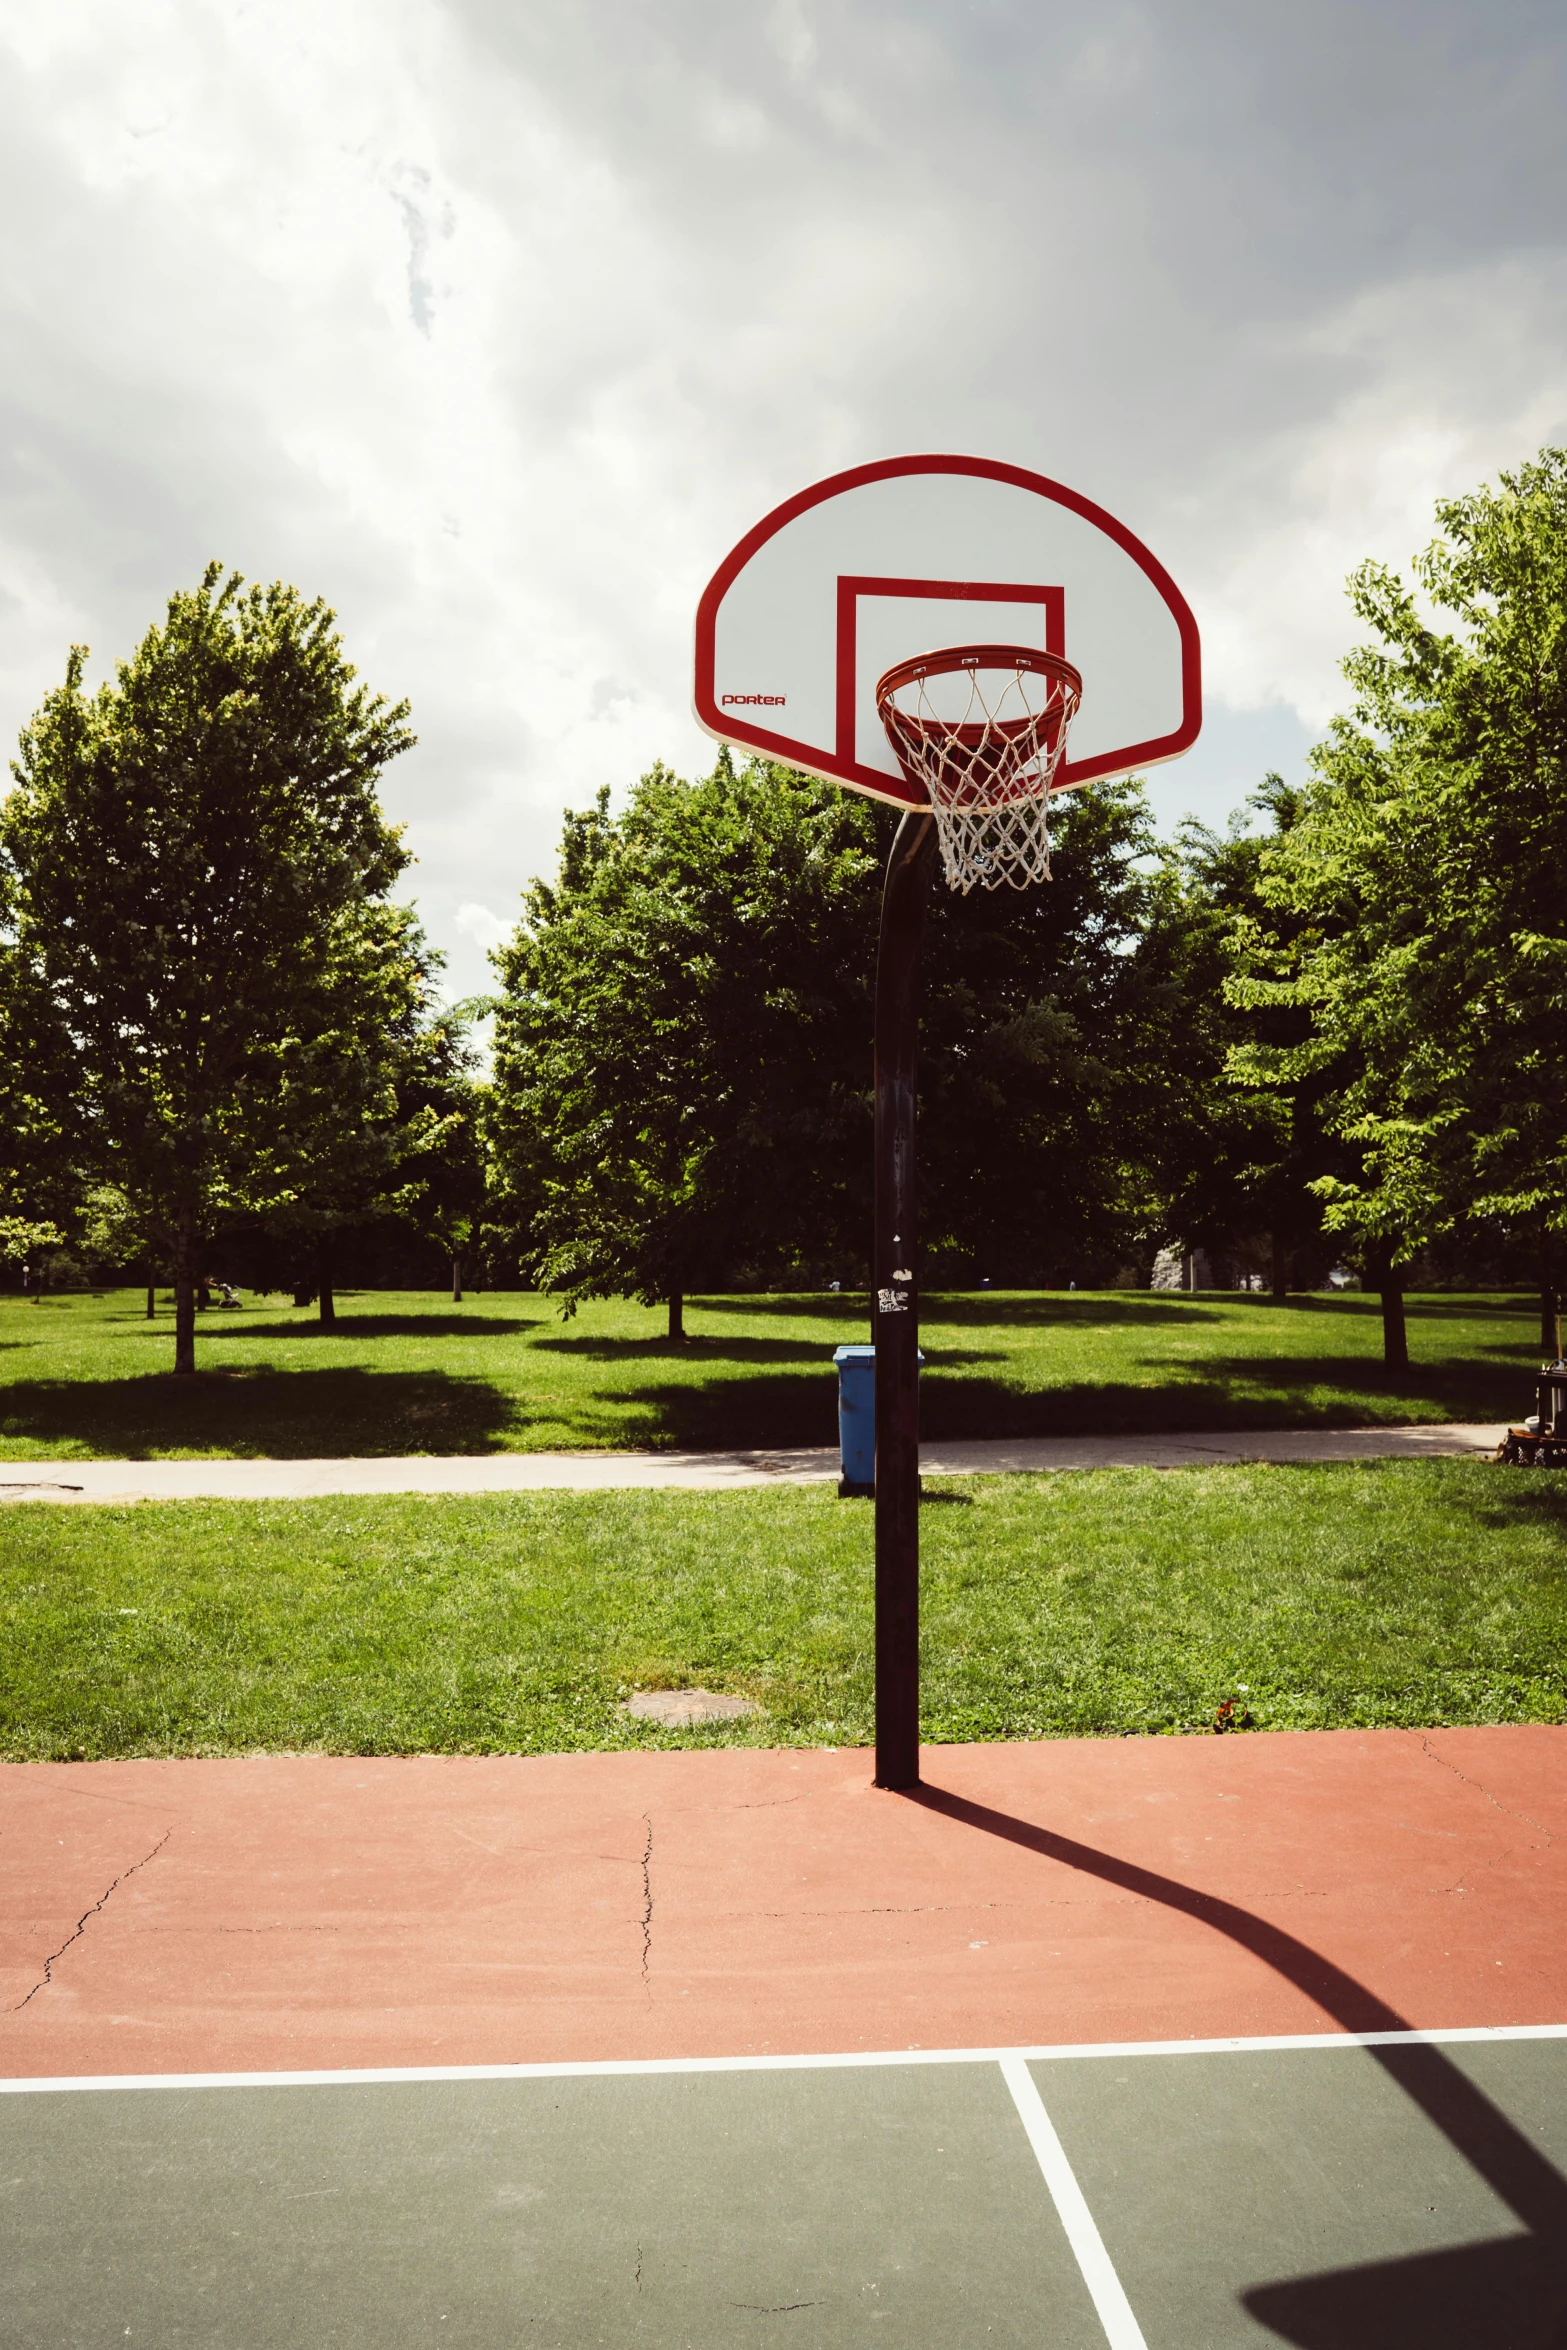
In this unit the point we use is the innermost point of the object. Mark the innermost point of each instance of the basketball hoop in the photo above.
(980, 730)
(802, 642)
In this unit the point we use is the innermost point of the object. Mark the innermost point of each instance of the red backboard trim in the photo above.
(836, 768)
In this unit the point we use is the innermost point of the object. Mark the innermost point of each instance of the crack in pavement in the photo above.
(47, 1977)
(859, 1909)
(1506, 1809)
(1024, 1907)
(280, 1929)
(915, 1909)
(647, 1908)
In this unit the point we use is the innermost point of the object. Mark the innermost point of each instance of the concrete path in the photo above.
(297, 1911)
(584, 1472)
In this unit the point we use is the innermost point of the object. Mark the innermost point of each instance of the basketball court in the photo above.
(1183, 2042)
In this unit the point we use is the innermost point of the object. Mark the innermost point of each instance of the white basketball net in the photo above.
(982, 729)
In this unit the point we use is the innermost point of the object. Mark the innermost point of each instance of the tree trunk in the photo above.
(1395, 1337)
(1387, 1280)
(677, 1314)
(1550, 1308)
(328, 1303)
(152, 1303)
(456, 1277)
(185, 1294)
(1281, 1270)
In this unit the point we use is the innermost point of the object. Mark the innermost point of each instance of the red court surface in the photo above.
(313, 1912)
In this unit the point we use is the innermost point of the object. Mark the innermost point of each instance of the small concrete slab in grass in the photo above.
(687, 1709)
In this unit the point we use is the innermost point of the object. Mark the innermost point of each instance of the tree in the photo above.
(43, 1182)
(682, 1041)
(683, 1065)
(1064, 1056)
(1422, 881)
(23, 1240)
(193, 851)
(351, 1126)
(113, 1233)
(1253, 1142)
(447, 1167)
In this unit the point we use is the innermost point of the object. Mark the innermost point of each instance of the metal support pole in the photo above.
(895, 1306)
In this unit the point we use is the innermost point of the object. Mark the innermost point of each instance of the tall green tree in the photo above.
(1063, 1056)
(446, 1167)
(682, 1044)
(351, 1126)
(193, 851)
(1252, 1142)
(1422, 884)
(683, 1066)
(44, 1183)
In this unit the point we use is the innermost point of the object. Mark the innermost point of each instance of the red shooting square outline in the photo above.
(815, 759)
(946, 591)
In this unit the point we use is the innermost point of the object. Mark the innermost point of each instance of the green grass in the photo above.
(87, 1375)
(1357, 1594)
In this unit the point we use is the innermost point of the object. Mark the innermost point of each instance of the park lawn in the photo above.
(1356, 1594)
(85, 1375)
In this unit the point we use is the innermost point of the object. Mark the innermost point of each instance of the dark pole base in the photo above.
(895, 1306)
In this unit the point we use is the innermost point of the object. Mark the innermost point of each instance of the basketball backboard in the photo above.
(886, 561)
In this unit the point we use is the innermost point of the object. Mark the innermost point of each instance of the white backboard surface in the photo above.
(890, 560)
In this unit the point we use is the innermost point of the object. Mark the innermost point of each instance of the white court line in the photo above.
(633, 2066)
(1122, 2330)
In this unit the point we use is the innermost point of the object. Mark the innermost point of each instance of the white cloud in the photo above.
(498, 326)
(484, 927)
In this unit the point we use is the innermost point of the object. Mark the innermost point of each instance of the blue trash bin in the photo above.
(857, 1421)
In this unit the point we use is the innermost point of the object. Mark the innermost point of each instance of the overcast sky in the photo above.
(496, 322)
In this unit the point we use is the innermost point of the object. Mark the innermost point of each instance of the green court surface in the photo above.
(1335, 2194)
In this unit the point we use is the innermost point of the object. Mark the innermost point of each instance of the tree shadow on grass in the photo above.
(693, 1349)
(697, 1352)
(1054, 1309)
(1051, 1310)
(812, 1305)
(808, 1354)
(1483, 1307)
(1252, 1398)
(307, 1324)
(733, 1393)
(801, 1408)
(790, 1397)
(1474, 1388)
(1001, 1309)
(262, 1414)
(1513, 1499)
(724, 1415)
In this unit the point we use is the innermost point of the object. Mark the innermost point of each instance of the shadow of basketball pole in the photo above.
(1515, 2170)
